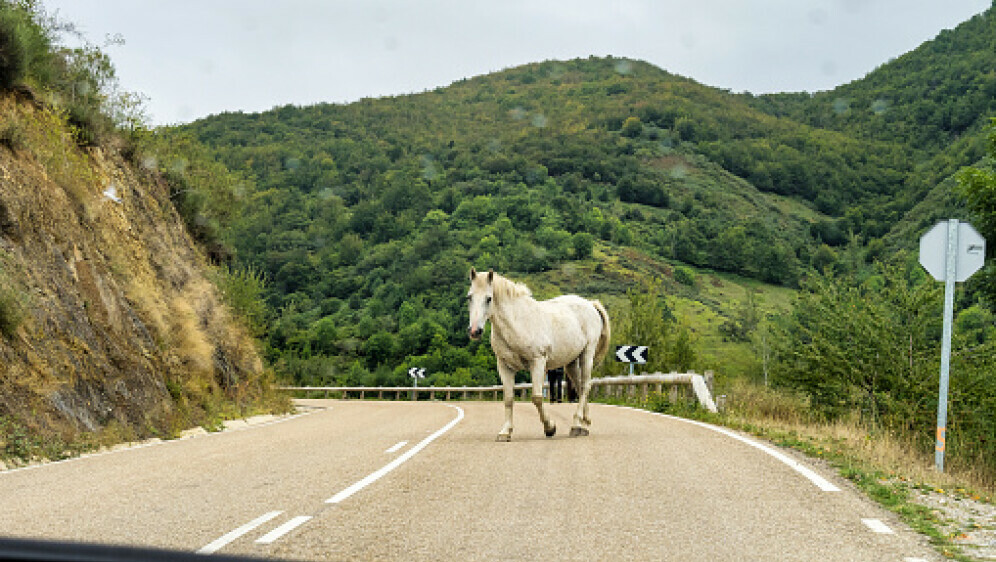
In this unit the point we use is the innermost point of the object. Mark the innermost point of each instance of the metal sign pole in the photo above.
(951, 273)
(950, 252)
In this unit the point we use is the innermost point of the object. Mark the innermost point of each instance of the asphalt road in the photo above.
(337, 484)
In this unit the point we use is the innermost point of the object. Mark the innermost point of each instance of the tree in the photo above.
(632, 127)
(13, 51)
(583, 244)
(649, 321)
(977, 186)
(379, 348)
(868, 346)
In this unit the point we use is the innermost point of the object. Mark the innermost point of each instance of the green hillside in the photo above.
(358, 222)
(364, 218)
(926, 99)
(935, 101)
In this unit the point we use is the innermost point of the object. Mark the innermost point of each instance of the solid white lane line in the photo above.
(227, 538)
(373, 477)
(396, 447)
(282, 530)
(820, 482)
(877, 526)
(138, 446)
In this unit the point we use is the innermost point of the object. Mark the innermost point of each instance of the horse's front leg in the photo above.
(508, 385)
(538, 374)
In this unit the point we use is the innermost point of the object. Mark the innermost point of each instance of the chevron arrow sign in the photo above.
(416, 373)
(631, 353)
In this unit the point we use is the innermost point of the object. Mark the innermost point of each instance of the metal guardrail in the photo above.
(605, 386)
(701, 385)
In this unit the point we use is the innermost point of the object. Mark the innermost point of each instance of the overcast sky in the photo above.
(194, 58)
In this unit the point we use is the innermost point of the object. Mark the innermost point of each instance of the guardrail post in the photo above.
(709, 379)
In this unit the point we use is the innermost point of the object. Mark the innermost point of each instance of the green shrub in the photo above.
(244, 290)
(684, 276)
(26, 54)
(13, 51)
(12, 136)
(90, 126)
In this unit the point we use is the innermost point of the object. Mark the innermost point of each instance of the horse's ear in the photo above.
(473, 273)
(491, 276)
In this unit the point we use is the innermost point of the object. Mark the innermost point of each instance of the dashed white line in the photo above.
(227, 538)
(282, 530)
(375, 476)
(296, 522)
(877, 526)
(820, 482)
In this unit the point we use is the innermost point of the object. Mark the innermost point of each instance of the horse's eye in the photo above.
(487, 300)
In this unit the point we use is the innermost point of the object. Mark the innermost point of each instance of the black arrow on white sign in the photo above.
(631, 353)
(416, 372)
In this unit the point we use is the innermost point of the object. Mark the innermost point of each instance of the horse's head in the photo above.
(479, 299)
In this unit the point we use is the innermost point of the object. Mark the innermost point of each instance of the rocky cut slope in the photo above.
(110, 328)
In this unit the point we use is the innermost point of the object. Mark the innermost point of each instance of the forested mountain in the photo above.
(934, 100)
(364, 218)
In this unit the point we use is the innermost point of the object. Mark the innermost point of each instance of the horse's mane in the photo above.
(504, 287)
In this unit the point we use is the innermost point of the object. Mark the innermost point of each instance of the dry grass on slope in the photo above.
(119, 334)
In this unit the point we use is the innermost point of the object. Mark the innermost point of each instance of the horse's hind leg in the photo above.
(508, 384)
(573, 371)
(582, 422)
(538, 372)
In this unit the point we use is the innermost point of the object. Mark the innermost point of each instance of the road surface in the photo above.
(351, 480)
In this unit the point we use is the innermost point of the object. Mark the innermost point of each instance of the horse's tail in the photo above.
(603, 340)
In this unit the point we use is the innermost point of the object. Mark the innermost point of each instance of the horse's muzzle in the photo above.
(474, 333)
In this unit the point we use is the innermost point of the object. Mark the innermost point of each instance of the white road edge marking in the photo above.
(396, 447)
(227, 538)
(138, 446)
(820, 482)
(373, 477)
(282, 530)
(877, 526)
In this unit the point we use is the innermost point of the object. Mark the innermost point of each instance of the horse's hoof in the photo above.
(578, 432)
(550, 432)
(504, 437)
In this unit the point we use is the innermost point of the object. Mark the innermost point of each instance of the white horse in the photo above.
(526, 334)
